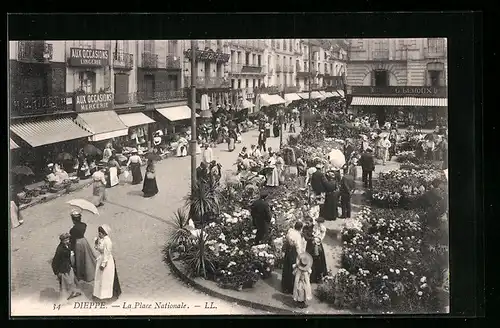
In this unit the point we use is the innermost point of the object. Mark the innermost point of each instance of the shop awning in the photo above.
(289, 97)
(45, 132)
(266, 100)
(331, 94)
(340, 93)
(304, 95)
(102, 125)
(246, 104)
(278, 100)
(316, 95)
(399, 101)
(177, 113)
(135, 119)
(13, 145)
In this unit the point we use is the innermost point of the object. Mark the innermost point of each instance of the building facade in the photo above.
(405, 79)
(212, 74)
(64, 94)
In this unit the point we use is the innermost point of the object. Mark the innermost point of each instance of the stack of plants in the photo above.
(392, 261)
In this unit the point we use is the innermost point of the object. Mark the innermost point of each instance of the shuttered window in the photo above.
(121, 89)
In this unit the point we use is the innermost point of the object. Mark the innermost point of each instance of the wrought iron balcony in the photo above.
(34, 51)
(123, 60)
(253, 45)
(149, 60)
(161, 96)
(237, 68)
(173, 62)
(380, 55)
(270, 89)
(204, 82)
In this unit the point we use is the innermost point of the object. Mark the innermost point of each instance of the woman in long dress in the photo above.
(106, 283)
(231, 140)
(150, 188)
(294, 244)
(280, 168)
(182, 147)
(85, 258)
(135, 163)
(99, 187)
(276, 129)
(329, 210)
(314, 236)
(15, 215)
(114, 171)
(272, 176)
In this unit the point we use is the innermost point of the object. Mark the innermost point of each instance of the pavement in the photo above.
(140, 228)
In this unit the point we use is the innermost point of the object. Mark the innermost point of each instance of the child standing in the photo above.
(302, 286)
(63, 269)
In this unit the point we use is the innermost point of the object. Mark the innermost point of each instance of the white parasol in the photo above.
(84, 205)
(337, 158)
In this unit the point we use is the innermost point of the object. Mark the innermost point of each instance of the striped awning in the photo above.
(399, 101)
(340, 93)
(13, 145)
(102, 125)
(44, 132)
(289, 97)
(304, 95)
(176, 113)
(135, 119)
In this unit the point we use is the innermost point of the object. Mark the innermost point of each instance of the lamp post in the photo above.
(193, 113)
(310, 71)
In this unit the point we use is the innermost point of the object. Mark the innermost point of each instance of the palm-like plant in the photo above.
(181, 234)
(197, 260)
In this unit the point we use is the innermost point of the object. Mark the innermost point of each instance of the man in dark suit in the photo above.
(368, 166)
(347, 185)
(202, 173)
(62, 267)
(261, 217)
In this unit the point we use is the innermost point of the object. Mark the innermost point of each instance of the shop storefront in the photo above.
(174, 120)
(410, 105)
(139, 131)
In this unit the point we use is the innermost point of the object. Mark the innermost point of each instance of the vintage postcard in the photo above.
(241, 176)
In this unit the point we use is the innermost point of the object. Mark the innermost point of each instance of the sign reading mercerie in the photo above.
(93, 102)
(88, 57)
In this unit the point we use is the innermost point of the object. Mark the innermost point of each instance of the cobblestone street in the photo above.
(140, 229)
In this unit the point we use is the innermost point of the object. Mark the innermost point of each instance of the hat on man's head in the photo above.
(64, 236)
(76, 214)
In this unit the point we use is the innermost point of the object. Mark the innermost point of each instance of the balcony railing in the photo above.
(149, 60)
(204, 82)
(173, 62)
(34, 51)
(271, 89)
(123, 60)
(279, 68)
(255, 45)
(380, 54)
(161, 96)
(237, 68)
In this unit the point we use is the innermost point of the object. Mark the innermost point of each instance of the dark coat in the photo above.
(201, 174)
(347, 184)
(261, 213)
(77, 232)
(61, 263)
(366, 161)
(262, 138)
(318, 182)
(348, 151)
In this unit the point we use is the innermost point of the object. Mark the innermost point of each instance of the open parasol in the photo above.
(22, 170)
(337, 158)
(64, 157)
(84, 205)
(91, 150)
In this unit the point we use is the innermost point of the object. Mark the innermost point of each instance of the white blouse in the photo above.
(134, 159)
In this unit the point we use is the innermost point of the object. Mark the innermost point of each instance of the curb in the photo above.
(53, 196)
(211, 292)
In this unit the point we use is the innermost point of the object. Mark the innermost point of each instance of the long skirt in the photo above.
(15, 216)
(85, 260)
(113, 177)
(230, 144)
(329, 209)
(319, 269)
(149, 188)
(287, 277)
(99, 193)
(106, 284)
(135, 168)
(273, 178)
(276, 131)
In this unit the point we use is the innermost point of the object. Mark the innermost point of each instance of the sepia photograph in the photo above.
(228, 177)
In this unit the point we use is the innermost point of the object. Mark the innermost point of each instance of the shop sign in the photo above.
(88, 57)
(26, 106)
(407, 91)
(208, 55)
(93, 102)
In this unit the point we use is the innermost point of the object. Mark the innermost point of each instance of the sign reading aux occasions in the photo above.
(93, 102)
(208, 54)
(88, 57)
(406, 91)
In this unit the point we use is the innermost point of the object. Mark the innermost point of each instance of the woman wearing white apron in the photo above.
(106, 283)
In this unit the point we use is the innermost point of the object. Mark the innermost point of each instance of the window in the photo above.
(149, 46)
(435, 74)
(238, 58)
(173, 46)
(246, 83)
(290, 44)
(435, 45)
(254, 85)
(331, 69)
(434, 78)
(258, 83)
(259, 60)
(247, 58)
(233, 81)
(326, 68)
(278, 44)
(239, 83)
(86, 81)
(254, 60)
(284, 45)
(380, 78)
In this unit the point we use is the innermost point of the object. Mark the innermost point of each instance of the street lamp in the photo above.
(193, 113)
